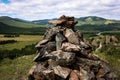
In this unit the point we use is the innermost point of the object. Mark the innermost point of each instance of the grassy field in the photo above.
(18, 23)
(22, 41)
(114, 61)
(17, 68)
(23, 38)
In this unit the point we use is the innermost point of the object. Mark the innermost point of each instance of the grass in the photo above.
(23, 38)
(16, 69)
(113, 59)
(12, 46)
(17, 23)
(22, 41)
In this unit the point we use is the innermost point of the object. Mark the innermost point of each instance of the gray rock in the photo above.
(49, 74)
(82, 62)
(59, 39)
(101, 79)
(70, 47)
(91, 75)
(73, 75)
(50, 33)
(83, 44)
(83, 75)
(52, 63)
(105, 67)
(62, 58)
(41, 43)
(38, 72)
(111, 76)
(96, 42)
(80, 35)
(100, 73)
(47, 48)
(61, 71)
(107, 39)
(72, 37)
(114, 39)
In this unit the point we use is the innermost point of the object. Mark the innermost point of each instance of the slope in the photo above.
(93, 23)
(4, 28)
(18, 22)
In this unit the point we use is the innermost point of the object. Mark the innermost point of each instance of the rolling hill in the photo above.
(44, 21)
(90, 23)
(93, 23)
(15, 25)
(18, 22)
(4, 28)
(83, 20)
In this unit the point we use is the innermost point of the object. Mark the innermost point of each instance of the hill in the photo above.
(15, 25)
(4, 28)
(92, 18)
(89, 24)
(93, 23)
(18, 22)
(44, 21)
(81, 20)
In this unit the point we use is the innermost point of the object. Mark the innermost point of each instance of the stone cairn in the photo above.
(64, 55)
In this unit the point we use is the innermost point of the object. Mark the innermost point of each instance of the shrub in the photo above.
(7, 41)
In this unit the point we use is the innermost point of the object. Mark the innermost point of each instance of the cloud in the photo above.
(43, 9)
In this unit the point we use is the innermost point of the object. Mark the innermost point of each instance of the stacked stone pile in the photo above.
(63, 55)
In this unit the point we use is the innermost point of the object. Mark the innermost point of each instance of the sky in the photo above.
(48, 9)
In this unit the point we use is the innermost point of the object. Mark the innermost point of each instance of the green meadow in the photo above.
(17, 67)
(22, 41)
(17, 58)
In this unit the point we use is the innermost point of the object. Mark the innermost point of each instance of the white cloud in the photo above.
(41, 9)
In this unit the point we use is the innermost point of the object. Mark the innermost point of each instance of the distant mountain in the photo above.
(90, 23)
(44, 21)
(18, 22)
(15, 25)
(21, 20)
(81, 19)
(93, 23)
(4, 28)
(91, 18)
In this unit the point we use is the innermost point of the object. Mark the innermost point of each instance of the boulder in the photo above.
(61, 57)
(80, 35)
(50, 33)
(100, 73)
(73, 75)
(59, 40)
(107, 39)
(71, 36)
(61, 71)
(66, 46)
(41, 43)
(114, 39)
(47, 48)
(82, 74)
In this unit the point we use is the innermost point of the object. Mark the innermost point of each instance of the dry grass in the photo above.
(22, 38)
(22, 41)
